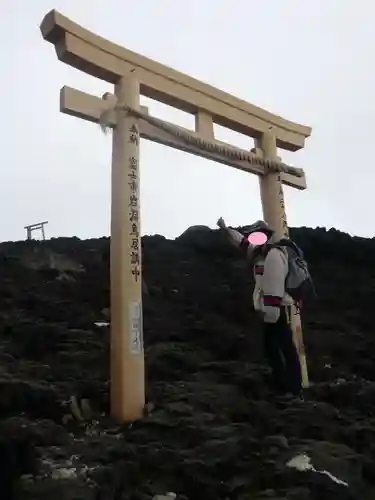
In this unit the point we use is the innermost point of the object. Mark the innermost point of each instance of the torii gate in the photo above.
(133, 74)
(33, 227)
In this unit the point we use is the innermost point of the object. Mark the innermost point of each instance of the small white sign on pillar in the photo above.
(136, 327)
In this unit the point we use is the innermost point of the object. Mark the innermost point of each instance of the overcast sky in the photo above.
(309, 61)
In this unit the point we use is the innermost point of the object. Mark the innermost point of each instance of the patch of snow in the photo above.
(64, 473)
(168, 496)
(303, 464)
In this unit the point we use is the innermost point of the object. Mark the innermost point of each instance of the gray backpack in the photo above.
(298, 283)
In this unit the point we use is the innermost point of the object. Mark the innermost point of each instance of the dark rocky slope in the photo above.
(215, 432)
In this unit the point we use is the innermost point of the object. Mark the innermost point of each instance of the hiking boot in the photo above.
(296, 396)
(289, 397)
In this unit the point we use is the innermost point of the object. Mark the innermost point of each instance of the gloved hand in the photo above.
(221, 223)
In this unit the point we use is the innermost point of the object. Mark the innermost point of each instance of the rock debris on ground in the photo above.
(214, 430)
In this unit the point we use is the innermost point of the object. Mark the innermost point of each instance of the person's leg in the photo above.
(289, 351)
(274, 356)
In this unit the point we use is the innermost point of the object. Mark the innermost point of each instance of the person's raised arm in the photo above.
(236, 238)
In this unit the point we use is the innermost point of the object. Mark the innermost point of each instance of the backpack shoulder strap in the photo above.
(277, 245)
(286, 243)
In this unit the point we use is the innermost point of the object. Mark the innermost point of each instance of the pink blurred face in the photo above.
(257, 238)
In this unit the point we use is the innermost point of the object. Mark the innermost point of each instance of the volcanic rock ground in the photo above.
(215, 431)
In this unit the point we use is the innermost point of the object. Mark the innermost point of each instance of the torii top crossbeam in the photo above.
(103, 59)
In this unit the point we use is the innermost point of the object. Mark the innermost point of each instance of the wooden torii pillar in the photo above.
(133, 75)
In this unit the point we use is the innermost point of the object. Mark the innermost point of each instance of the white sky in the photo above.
(309, 61)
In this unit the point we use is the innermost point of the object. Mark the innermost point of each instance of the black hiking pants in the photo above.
(282, 355)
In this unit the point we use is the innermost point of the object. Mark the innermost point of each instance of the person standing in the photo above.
(273, 303)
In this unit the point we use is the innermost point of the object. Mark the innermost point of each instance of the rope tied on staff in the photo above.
(271, 166)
